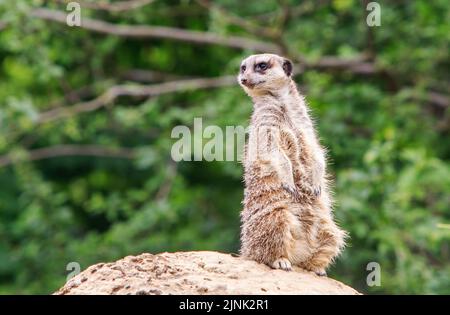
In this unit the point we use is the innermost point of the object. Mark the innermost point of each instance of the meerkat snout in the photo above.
(264, 73)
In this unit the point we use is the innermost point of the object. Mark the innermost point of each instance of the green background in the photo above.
(383, 114)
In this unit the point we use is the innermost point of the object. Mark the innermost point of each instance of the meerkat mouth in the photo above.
(251, 85)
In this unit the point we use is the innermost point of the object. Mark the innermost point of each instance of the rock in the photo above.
(199, 272)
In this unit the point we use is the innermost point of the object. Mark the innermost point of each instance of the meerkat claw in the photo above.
(317, 191)
(288, 188)
(282, 263)
(321, 273)
(292, 191)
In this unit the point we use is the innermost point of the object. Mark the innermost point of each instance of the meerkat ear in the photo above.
(287, 67)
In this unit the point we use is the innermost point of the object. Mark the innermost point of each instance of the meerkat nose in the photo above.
(244, 81)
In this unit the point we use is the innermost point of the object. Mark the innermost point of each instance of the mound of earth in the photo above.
(199, 272)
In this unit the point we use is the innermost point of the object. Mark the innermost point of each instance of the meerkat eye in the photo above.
(243, 68)
(261, 66)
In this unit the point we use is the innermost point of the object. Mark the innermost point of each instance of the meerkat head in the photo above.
(264, 73)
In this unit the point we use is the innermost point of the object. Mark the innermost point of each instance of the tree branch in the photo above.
(147, 76)
(245, 24)
(166, 187)
(134, 90)
(69, 150)
(356, 65)
(117, 6)
(295, 11)
(438, 99)
(435, 98)
(141, 31)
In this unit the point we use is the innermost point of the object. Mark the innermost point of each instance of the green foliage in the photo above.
(389, 146)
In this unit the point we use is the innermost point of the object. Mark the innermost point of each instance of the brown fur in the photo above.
(287, 216)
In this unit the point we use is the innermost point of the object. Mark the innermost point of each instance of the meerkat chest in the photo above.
(299, 121)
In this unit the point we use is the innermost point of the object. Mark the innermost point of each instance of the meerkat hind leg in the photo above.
(319, 271)
(331, 242)
(282, 263)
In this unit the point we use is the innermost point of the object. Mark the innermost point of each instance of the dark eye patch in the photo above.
(262, 66)
(243, 68)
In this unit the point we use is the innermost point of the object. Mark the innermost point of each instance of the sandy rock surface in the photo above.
(199, 272)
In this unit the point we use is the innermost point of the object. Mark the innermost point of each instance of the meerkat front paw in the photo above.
(282, 263)
(317, 191)
(292, 190)
(287, 183)
(313, 190)
(318, 173)
(315, 186)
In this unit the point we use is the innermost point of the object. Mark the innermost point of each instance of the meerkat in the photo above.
(287, 217)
